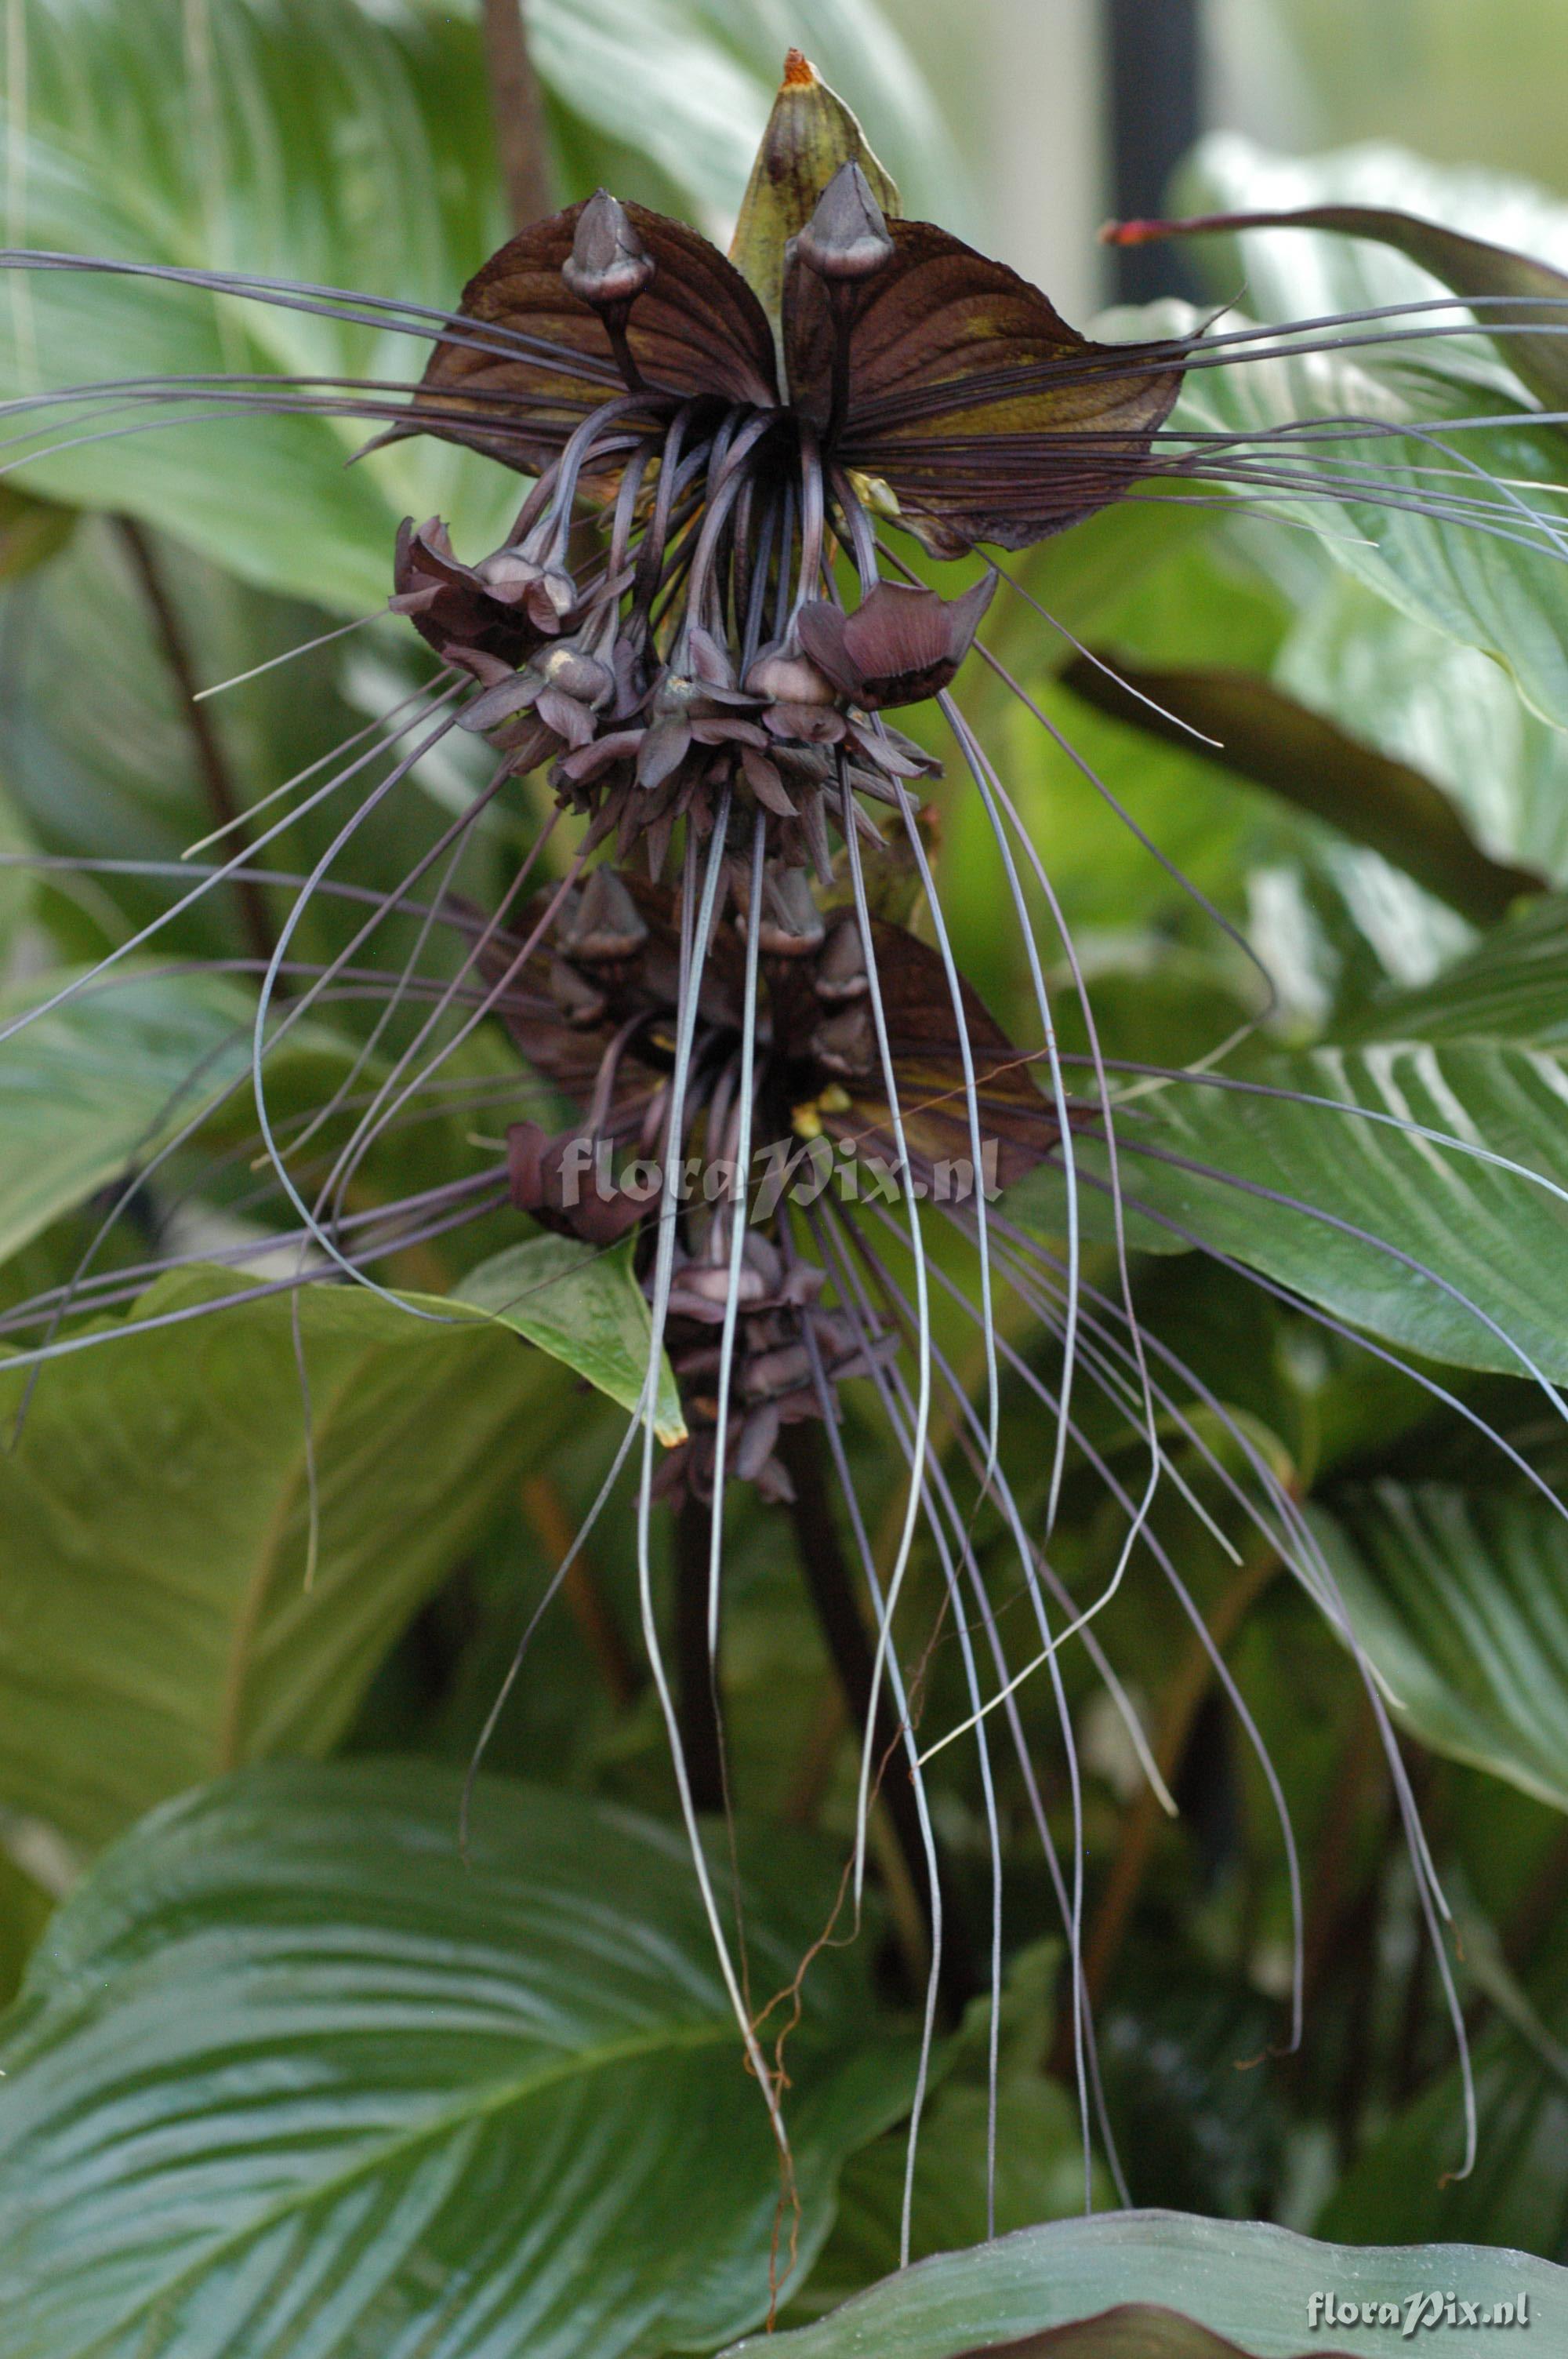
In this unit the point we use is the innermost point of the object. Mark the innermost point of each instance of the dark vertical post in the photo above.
(1155, 93)
(697, 1702)
(519, 114)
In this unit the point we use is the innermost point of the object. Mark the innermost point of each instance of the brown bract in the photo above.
(533, 361)
(942, 374)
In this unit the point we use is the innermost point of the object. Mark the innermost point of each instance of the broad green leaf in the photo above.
(1266, 737)
(1461, 1601)
(1368, 1203)
(94, 1088)
(1477, 1056)
(1247, 2283)
(157, 1511)
(1424, 1246)
(582, 1306)
(290, 2077)
(1513, 988)
(240, 143)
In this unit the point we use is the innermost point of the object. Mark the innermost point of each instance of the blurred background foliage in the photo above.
(157, 1627)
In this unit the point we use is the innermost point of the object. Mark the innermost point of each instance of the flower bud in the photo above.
(783, 676)
(576, 674)
(608, 263)
(847, 237)
(604, 925)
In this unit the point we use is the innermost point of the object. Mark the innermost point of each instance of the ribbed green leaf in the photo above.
(1483, 590)
(1428, 1247)
(1462, 1603)
(289, 2078)
(1513, 988)
(1250, 2284)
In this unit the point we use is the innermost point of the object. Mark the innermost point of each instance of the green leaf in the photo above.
(1513, 988)
(1378, 1200)
(690, 83)
(1515, 2194)
(1448, 711)
(1477, 588)
(96, 1086)
(1249, 2283)
(1496, 578)
(290, 2077)
(252, 157)
(31, 531)
(1461, 1601)
(1479, 225)
(582, 1306)
(157, 1513)
(1202, 1163)
(1267, 737)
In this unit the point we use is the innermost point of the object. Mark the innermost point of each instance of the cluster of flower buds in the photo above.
(789, 1354)
(593, 1005)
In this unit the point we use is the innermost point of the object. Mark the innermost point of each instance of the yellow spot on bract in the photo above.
(804, 1121)
(835, 1100)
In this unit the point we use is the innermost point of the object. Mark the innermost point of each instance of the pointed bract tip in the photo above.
(799, 73)
(608, 263)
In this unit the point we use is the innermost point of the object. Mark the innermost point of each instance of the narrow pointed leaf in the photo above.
(1267, 737)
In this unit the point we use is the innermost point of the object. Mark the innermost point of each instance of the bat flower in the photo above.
(694, 626)
(593, 1007)
(730, 419)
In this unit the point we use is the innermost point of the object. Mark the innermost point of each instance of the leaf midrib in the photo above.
(496, 2099)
